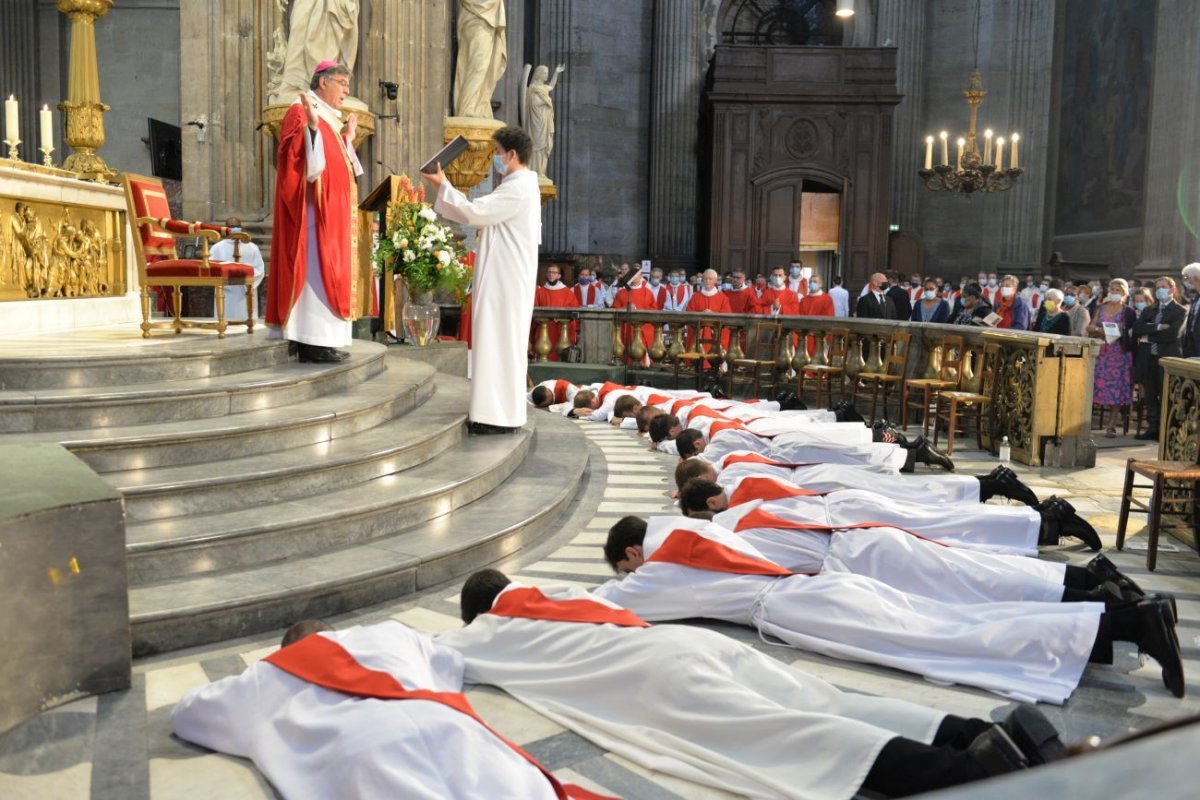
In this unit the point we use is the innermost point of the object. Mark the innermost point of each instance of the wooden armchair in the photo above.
(895, 372)
(155, 232)
(762, 362)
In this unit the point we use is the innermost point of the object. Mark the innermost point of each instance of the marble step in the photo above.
(396, 445)
(118, 359)
(256, 534)
(194, 398)
(214, 607)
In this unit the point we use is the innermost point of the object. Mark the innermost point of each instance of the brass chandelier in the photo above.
(973, 171)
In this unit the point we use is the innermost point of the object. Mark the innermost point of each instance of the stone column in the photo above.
(20, 65)
(1172, 160)
(556, 22)
(901, 24)
(677, 81)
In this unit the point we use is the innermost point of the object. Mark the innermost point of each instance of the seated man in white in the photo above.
(236, 306)
(1027, 650)
(369, 712)
(698, 705)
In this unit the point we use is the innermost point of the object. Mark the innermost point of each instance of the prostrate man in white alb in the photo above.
(510, 231)
(699, 705)
(248, 253)
(368, 712)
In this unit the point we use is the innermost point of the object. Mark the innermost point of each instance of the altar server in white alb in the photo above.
(368, 712)
(1026, 650)
(699, 705)
(249, 254)
(510, 231)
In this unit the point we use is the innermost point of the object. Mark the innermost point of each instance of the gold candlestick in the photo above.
(46, 161)
(14, 149)
(84, 111)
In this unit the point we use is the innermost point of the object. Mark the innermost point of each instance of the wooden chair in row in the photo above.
(891, 379)
(952, 406)
(1173, 485)
(920, 394)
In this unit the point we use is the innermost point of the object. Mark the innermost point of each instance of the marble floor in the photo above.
(119, 746)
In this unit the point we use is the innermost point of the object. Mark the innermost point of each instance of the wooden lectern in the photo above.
(376, 206)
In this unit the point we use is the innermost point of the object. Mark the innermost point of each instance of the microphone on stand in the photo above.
(388, 167)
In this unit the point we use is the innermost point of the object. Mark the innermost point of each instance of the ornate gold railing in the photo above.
(1043, 392)
(1179, 422)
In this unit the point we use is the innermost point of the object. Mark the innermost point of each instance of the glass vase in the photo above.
(422, 318)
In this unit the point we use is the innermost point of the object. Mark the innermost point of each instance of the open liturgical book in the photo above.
(453, 149)
(990, 321)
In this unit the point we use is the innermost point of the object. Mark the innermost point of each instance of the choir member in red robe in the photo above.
(742, 298)
(638, 295)
(709, 299)
(314, 289)
(777, 298)
(659, 287)
(588, 293)
(553, 294)
(816, 303)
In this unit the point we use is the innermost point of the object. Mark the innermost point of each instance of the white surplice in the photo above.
(925, 488)
(877, 456)
(510, 231)
(1027, 651)
(315, 742)
(690, 702)
(1012, 530)
(952, 574)
(235, 296)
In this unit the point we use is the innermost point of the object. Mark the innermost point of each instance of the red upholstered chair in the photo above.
(154, 243)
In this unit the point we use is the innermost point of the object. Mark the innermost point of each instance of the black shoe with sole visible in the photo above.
(483, 429)
(1037, 737)
(928, 454)
(1158, 640)
(996, 752)
(315, 354)
(1103, 569)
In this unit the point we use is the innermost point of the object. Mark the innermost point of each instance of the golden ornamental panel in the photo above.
(1013, 412)
(54, 251)
(1181, 418)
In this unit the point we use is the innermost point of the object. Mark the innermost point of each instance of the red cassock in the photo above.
(640, 298)
(742, 301)
(562, 297)
(661, 293)
(331, 195)
(789, 303)
(816, 305)
(716, 304)
(585, 296)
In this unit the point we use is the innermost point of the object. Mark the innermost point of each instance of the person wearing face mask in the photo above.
(1051, 318)
(659, 287)
(929, 307)
(1076, 312)
(636, 294)
(710, 299)
(1014, 313)
(1087, 300)
(1191, 328)
(991, 289)
(777, 299)
(1113, 386)
(588, 294)
(741, 297)
(679, 292)
(797, 278)
(916, 289)
(876, 304)
(1036, 295)
(509, 221)
(1162, 326)
(696, 282)
(553, 294)
(248, 253)
(816, 303)
(973, 307)
(760, 285)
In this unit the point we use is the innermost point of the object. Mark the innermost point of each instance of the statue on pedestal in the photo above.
(538, 115)
(482, 56)
(317, 30)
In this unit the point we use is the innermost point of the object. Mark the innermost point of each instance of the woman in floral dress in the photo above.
(1114, 365)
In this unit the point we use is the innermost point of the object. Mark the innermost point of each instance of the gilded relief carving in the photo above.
(1013, 414)
(1182, 421)
(54, 251)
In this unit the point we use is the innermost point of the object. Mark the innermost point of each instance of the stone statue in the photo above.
(317, 30)
(482, 56)
(538, 115)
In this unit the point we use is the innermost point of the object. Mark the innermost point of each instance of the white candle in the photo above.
(1016, 137)
(961, 143)
(928, 152)
(10, 119)
(1000, 153)
(945, 149)
(987, 146)
(47, 128)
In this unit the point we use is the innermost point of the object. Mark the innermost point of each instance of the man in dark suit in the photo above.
(876, 304)
(1162, 325)
(1191, 329)
(900, 298)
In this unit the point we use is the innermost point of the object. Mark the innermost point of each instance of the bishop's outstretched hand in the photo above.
(310, 110)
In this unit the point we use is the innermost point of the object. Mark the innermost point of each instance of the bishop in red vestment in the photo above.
(314, 289)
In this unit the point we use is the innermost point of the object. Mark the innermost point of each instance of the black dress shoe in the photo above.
(483, 429)
(1103, 569)
(1037, 737)
(1051, 530)
(996, 752)
(1012, 488)
(928, 454)
(1158, 641)
(844, 412)
(314, 354)
(1077, 527)
(717, 393)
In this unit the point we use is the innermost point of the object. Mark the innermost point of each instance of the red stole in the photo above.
(560, 390)
(584, 295)
(609, 387)
(688, 548)
(660, 296)
(678, 294)
(656, 399)
(527, 602)
(680, 404)
(731, 425)
(334, 203)
(759, 518)
(755, 488)
(327, 664)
